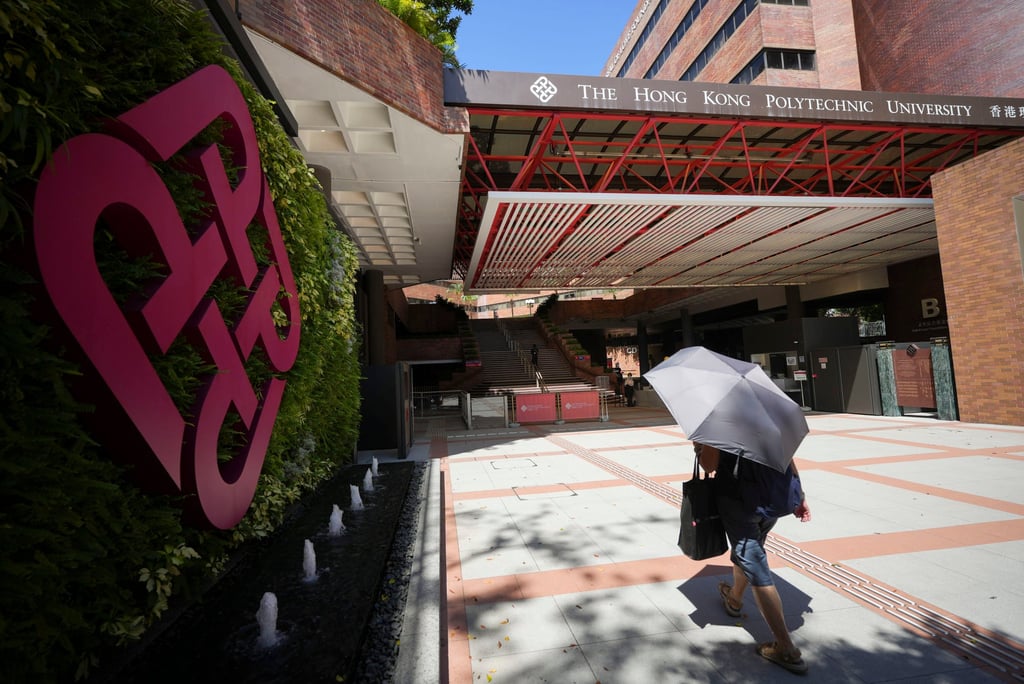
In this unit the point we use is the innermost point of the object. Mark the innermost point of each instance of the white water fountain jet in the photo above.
(308, 561)
(357, 501)
(373, 467)
(266, 617)
(336, 526)
(368, 481)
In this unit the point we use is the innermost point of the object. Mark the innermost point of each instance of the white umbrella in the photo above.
(731, 405)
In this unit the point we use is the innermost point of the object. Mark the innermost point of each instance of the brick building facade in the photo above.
(933, 46)
(979, 214)
(923, 46)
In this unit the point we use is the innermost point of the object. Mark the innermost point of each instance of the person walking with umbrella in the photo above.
(745, 431)
(748, 516)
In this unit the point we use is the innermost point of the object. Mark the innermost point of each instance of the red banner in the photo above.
(535, 408)
(580, 405)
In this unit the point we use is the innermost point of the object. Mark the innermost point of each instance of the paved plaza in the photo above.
(548, 554)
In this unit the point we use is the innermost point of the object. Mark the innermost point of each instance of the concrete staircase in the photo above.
(502, 367)
(505, 355)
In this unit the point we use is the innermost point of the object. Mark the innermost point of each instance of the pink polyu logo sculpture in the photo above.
(110, 176)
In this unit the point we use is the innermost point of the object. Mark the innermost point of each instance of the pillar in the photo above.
(686, 327)
(942, 375)
(794, 306)
(641, 345)
(376, 317)
(887, 379)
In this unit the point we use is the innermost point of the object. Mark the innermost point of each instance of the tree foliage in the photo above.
(435, 20)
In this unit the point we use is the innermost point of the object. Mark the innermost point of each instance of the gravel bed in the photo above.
(380, 648)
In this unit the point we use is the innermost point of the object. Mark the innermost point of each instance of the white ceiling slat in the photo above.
(604, 229)
(745, 255)
(676, 230)
(587, 240)
(893, 241)
(838, 218)
(546, 224)
(562, 240)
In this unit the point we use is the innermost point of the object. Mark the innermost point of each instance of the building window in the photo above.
(795, 3)
(717, 41)
(775, 58)
(675, 38)
(644, 35)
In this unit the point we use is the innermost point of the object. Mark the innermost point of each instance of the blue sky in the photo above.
(542, 36)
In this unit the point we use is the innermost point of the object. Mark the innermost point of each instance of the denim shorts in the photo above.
(747, 533)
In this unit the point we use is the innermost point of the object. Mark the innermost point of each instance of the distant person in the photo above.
(534, 355)
(630, 386)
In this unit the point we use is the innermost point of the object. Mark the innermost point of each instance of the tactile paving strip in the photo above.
(956, 636)
(1001, 657)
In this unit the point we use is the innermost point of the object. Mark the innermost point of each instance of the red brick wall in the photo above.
(707, 24)
(652, 47)
(825, 27)
(365, 45)
(939, 46)
(835, 44)
(633, 37)
(984, 282)
(430, 319)
(642, 301)
(764, 27)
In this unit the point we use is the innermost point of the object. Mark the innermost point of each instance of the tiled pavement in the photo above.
(558, 558)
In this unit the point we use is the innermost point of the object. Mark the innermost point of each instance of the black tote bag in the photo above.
(701, 532)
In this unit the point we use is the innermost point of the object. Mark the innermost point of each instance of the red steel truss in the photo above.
(587, 152)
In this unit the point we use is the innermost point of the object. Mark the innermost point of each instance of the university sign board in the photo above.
(477, 88)
(110, 177)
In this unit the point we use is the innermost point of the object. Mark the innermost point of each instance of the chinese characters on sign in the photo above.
(915, 385)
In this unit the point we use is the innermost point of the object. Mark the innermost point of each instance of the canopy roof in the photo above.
(721, 185)
(568, 182)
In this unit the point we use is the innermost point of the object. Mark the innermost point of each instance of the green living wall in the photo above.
(87, 561)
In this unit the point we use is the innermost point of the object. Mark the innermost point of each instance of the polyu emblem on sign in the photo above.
(110, 178)
(543, 89)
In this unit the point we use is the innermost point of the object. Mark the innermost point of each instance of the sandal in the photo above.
(792, 661)
(723, 591)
